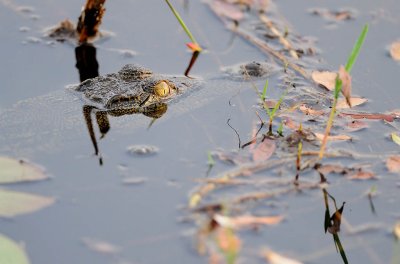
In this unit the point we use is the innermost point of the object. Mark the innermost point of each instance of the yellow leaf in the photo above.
(395, 138)
(194, 200)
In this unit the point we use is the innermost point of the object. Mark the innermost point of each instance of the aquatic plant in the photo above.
(270, 113)
(194, 45)
(338, 86)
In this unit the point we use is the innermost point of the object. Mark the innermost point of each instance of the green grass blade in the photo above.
(272, 113)
(264, 93)
(356, 49)
(178, 17)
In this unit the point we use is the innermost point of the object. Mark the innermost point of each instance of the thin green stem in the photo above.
(180, 20)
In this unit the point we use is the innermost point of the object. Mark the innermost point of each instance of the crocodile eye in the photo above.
(162, 89)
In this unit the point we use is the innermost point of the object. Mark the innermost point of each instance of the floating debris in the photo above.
(142, 150)
(100, 246)
(134, 180)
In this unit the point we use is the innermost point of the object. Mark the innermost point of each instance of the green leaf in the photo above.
(11, 252)
(17, 203)
(264, 93)
(395, 138)
(276, 107)
(356, 49)
(13, 170)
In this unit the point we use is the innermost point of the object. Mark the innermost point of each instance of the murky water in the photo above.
(144, 219)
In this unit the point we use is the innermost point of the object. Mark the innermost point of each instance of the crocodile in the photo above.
(135, 89)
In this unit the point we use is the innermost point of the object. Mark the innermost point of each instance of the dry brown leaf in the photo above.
(225, 9)
(230, 157)
(291, 124)
(325, 78)
(346, 84)
(395, 50)
(309, 111)
(264, 150)
(228, 242)
(356, 125)
(342, 103)
(320, 136)
(247, 221)
(270, 103)
(393, 163)
(331, 168)
(371, 116)
(275, 258)
(361, 175)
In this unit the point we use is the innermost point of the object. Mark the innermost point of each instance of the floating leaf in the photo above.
(309, 111)
(275, 258)
(228, 10)
(395, 50)
(13, 170)
(11, 252)
(354, 101)
(362, 175)
(17, 203)
(346, 84)
(333, 138)
(288, 122)
(100, 246)
(356, 125)
(393, 164)
(230, 157)
(246, 221)
(339, 15)
(229, 244)
(395, 138)
(332, 168)
(325, 78)
(371, 116)
(264, 150)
